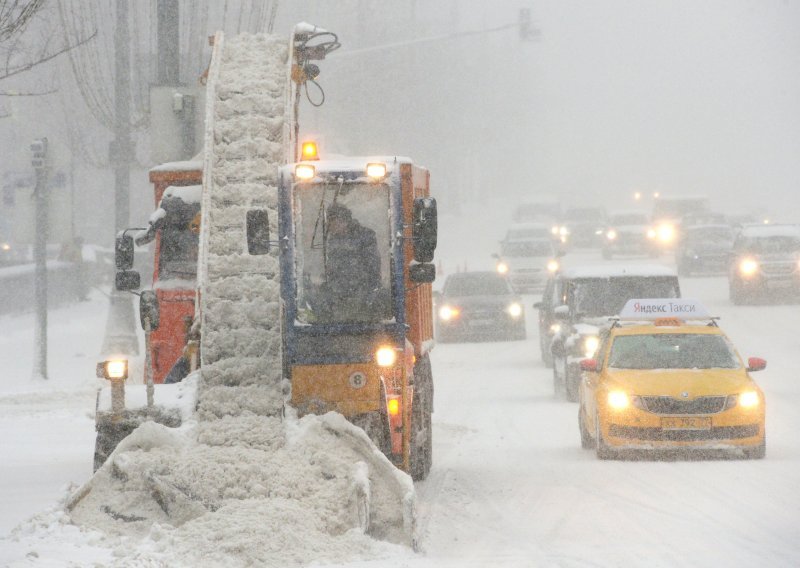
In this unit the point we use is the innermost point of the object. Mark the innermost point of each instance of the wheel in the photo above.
(109, 435)
(603, 451)
(421, 424)
(558, 382)
(586, 439)
(547, 355)
(757, 452)
(572, 381)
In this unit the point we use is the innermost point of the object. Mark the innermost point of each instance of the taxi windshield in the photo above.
(672, 351)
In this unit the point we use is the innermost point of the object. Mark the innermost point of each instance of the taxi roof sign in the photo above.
(660, 308)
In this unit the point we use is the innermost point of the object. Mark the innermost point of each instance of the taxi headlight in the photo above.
(611, 235)
(666, 233)
(748, 399)
(113, 369)
(748, 267)
(385, 356)
(618, 400)
(552, 266)
(447, 313)
(514, 310)
(590, 345)
(502, 268)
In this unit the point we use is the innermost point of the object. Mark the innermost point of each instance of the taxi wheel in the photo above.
(586, 439)
(603, 451)
(756, 453)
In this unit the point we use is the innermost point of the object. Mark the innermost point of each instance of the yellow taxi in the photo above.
(666, 377)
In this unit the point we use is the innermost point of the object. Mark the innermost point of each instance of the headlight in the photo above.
(651, 233)
(552, 266)
(666, 233)
(748, 399)
(113, 369)
(590, 345)
(514, 310)
(5, 246)
(502, 268)
(385, 356)
(555, 328)
(611, 235)
(446, 313)
(554, 229)
(618, 400)
(748, 267)
(563, 231)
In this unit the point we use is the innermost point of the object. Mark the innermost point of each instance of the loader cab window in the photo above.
(343, 253)
(178, 248)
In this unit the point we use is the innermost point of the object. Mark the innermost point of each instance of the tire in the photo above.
(421, 458)
(603, 452)
(547, 355)
(571, 384)
(109, 435)
(756, 453)
(587, 443)
(558, 383)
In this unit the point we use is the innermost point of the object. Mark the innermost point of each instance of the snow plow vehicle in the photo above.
(334, 315)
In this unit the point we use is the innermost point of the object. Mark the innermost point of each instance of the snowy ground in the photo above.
(510, 485)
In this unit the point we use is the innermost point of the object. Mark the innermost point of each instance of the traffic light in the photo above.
(39, 149)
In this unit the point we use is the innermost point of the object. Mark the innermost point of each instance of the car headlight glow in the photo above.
(555, 328)
(385, 356)
(590, 345)
(611, 235)
(116, 369)
(5, 246)
(618, 400)
(563, 231)
(552, 266)
(514, 310)
(666, 233)
(748, 399)
(447, 313)
(748, 267)
(502, 268)
(651, 234)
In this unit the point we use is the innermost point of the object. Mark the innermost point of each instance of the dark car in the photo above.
(765, 263)
(629, 233)
(583, 226)
(576, 305)
(479, 306)
(704, 248)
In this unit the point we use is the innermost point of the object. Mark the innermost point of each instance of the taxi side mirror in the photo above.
(589, 365)
(123, 251)
(756, 364)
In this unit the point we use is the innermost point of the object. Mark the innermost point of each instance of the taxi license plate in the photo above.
(686, 423)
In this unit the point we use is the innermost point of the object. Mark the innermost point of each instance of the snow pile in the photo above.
(248, 490)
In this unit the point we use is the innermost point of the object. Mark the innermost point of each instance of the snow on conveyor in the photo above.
(238, 484)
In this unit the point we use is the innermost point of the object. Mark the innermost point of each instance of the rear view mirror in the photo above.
(424, 273)
(123, 252)
(424, 228)
(149, 312)
(756, 364)
(258, 231)
(127, 280)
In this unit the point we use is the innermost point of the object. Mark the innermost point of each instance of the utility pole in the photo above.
(39, 162)
(120, 335)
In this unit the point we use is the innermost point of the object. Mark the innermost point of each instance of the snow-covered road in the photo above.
(510, 484)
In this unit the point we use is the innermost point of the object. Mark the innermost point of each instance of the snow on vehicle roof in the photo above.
(184, 166)
(755, 231)
(617, 270)
(186, 193)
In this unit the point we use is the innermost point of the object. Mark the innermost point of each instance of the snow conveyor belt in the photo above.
(237, 483)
